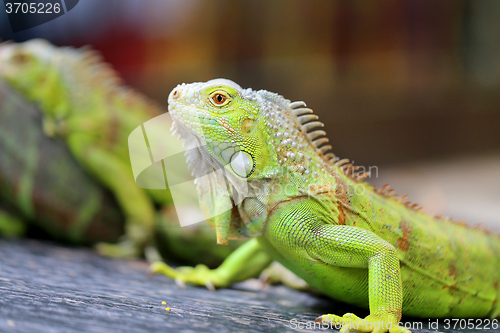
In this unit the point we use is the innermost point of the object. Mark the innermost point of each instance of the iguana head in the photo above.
(64, 80)
(258, 135)
(17, 58)
(31, 67)
(22, 64)
(226, 120)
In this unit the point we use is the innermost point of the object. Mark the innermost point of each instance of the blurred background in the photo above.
(412, 87)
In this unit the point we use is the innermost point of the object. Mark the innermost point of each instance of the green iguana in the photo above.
(95, 123)
(310, 212)
(85, 109)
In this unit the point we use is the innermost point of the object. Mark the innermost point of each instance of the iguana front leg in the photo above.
(301, 237)
(247, 261)
(116, 175)
(384, 278)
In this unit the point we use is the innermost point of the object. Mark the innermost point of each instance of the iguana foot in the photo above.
(125, 249)
(199, 275)
(277, 273)
(372, 323)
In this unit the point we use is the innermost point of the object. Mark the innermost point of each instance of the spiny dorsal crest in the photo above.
(288, 125)
(388, 192)
(83, 71)
(90, 62)
(294, 126)
(309, 124)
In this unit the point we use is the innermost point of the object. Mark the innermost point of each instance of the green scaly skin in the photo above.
(84, 103)
(38, 178)
(336, 232)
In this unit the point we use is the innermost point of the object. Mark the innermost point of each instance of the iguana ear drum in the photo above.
(242, 164)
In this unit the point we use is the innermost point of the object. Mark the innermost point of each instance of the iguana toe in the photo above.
(200, 275)
(372, 324)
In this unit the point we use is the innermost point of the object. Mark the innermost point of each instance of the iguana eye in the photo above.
(219, 99)
(20, 58)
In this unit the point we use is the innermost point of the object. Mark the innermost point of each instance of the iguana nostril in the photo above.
(176, 93)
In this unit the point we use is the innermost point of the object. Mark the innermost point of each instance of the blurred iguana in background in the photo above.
(65, 118)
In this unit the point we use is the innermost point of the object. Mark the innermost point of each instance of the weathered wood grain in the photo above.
(52, 288)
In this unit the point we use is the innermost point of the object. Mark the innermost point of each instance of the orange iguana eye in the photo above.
(219, 99)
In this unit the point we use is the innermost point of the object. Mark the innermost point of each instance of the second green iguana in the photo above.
(310, 212)
(56, 178)
(84, 103)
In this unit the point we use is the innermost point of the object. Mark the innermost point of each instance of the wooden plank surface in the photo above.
(51, 288)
